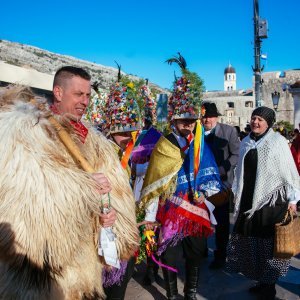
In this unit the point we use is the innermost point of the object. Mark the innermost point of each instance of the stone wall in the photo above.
(235, 106)
(243, 102)
(274, 81)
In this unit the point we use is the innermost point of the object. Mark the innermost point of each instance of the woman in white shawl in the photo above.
(265, 186)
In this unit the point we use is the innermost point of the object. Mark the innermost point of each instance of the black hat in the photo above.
(209, 109)
(266, 113)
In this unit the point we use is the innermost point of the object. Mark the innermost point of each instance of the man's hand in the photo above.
(104, 185)
(148, 225)
(108, 220)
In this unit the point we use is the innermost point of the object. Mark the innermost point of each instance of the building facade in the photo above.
(236, 106)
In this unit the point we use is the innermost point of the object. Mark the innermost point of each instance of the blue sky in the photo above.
(141, 35)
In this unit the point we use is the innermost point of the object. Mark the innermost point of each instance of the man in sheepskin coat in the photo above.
(49, 206)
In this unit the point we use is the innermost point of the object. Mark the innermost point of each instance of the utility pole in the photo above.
(260, 32)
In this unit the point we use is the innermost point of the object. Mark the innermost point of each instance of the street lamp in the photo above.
(275, 99)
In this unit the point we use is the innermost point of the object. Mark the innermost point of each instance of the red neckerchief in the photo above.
(79, 128)
(189, 139)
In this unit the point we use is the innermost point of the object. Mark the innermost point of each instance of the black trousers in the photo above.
(117, 292)
(152, 264)
(193, 251)
(221, 214)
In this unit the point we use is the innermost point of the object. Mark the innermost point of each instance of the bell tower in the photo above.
(229, 78)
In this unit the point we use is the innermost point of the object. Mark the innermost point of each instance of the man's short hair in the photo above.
(67, 72)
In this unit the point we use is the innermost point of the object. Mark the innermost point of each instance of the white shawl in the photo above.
(276, 172)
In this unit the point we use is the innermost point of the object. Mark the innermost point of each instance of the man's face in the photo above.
(73, 96)
(185, 126)
(122, 138)
(209, 122)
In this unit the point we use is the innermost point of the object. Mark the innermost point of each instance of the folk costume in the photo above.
(180, 177)
(140, 157)
(224, 143)
(266, 182)
(94, 112)
(145, 142)
(49, 206)
(121, 115)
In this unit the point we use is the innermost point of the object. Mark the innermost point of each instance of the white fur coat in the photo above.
(48, 207)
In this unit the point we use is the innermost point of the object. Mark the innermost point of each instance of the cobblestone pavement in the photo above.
(213, 284)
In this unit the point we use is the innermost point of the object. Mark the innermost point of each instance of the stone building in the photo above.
(236, 106)
(294, 89)
(280, 82)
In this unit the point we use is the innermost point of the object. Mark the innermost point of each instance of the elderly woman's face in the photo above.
(258, 125)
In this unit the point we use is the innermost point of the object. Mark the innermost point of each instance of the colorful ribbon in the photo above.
(151, 246)
(129, 148)
(198, 150)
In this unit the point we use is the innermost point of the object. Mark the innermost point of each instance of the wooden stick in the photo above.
(67, 141)
(71, 146)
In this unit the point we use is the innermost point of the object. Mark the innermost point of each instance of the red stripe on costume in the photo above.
(196, 163)
(189, 139)
(185, 222)
(193, 217)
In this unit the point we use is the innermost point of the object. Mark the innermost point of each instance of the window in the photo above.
(248, 104)
(230, 104)
(229, 113)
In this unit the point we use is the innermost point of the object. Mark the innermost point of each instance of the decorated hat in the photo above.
(185, 100)
(148, 103)
(121, 110)
(94, 112)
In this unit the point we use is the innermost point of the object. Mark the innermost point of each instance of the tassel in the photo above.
(197, 148)
(198, 142)
(129, 148)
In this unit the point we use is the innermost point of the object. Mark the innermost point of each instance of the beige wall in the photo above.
(20, 75)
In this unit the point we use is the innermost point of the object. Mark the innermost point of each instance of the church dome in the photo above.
(229, 69)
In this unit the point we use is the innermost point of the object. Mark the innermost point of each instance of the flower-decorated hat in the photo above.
(185, 100)
(94, 112)
(121, 109)
(148, 103)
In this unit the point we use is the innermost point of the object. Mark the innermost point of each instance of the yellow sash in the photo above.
(165, 161)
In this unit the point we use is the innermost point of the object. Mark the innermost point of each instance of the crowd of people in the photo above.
(80, 207)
